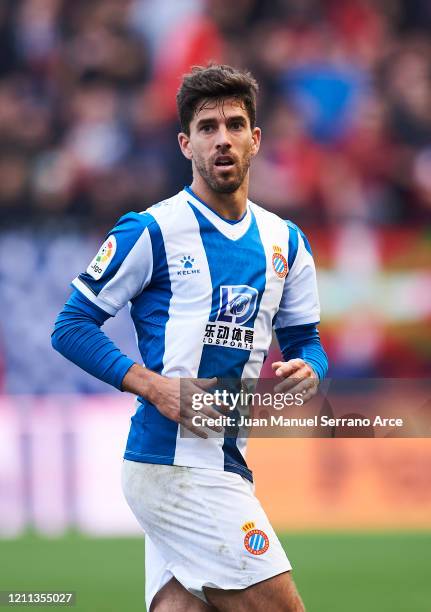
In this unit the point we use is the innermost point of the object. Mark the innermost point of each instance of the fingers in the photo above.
(198, 431)
(196, 402)
(298, 378)
(276, 364)
(208, 419)
(181, 401)
(307, 387)
(204, 400)
(205, 383)
(292, 380)
(286, 368)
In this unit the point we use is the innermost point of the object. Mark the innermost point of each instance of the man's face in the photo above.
(221, 144)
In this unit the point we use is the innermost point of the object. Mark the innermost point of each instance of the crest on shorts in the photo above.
(279, 262)
(255, 541)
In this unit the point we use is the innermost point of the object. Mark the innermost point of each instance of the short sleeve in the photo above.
(299, 303)
(122, 267)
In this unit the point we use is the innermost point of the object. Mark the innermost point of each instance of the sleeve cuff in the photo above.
(122, 367)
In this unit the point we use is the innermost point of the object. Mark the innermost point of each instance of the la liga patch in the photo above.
(256, 542)
(103, 258)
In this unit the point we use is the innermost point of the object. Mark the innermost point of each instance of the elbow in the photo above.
(55, 340)
(58, 334)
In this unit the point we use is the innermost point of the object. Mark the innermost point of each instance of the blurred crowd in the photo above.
(88, 131)
(87, 104)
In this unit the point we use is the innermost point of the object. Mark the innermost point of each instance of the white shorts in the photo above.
(205, 527)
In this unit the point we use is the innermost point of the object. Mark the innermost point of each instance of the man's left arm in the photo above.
(305, 362)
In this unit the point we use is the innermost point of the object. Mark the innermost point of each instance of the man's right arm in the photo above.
(121, 269)
(78, 336)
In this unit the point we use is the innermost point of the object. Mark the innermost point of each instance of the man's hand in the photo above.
(297, 377)
(164, 393)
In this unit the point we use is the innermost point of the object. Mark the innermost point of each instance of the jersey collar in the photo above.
(231, 229)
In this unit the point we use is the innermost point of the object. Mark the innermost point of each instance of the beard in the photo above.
(232, 179)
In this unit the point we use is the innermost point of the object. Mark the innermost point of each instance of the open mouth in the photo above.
(224, 161)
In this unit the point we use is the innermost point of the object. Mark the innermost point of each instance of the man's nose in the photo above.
(223, 138)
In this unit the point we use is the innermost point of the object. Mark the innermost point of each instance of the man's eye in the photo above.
(237, 125)
(206, 128)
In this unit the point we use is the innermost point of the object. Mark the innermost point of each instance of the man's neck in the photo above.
(231, 206)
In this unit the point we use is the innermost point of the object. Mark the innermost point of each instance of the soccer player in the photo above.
(208, 274)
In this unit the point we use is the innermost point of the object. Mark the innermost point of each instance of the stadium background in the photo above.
(88, 132)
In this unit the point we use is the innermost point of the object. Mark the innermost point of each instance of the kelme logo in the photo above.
(187, 266)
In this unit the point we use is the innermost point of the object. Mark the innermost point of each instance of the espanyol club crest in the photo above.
(255, 541)
(279, 262)
(237, 303)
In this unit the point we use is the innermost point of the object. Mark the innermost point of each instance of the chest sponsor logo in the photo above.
(103, 258)
(237, 306)
(279, 262)
(228, 334)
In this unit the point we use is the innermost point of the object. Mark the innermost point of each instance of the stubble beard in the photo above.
(219, 184)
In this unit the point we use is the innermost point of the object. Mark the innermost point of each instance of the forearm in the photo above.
(78, 337)
(303, 342)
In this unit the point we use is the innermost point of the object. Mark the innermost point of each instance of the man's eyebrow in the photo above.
(237, 118)
(213, 120)
(205, 121)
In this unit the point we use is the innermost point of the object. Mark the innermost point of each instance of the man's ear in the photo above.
(184, 142)
(255, 139)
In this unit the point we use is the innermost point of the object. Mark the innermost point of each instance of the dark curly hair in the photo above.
(213, 82)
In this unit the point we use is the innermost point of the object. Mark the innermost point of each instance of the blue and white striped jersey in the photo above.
(204, 294)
